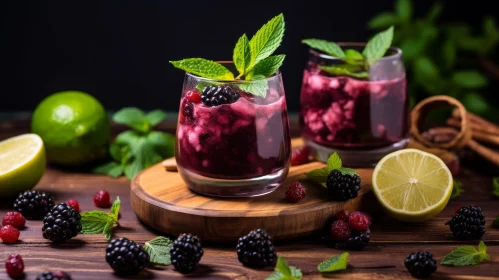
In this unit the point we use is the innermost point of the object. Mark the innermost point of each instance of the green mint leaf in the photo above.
(93, 222)
(383, 20)
(466, 255)
(343, 70)
(329, 48)
(348, 171)
(283, 271)
(155, 117)
(163, 143)
(158, 249)
(132, 117)
(115, 208)
(201, 85)
(434, 12)
(324, 184)
(257, 87)
(105, 168)
(456, 189)
(116, 171)
(334, 263)
(266, 40)
(403, 8)
(470, 79)
(495, 183)
(377, 46)
(496, 222)
(334, 162)
(476, 103)
(108, 229)
(115, 151)
(318, 175)
(354, 57)
(267, 66)
(204, 68)
(242, 55)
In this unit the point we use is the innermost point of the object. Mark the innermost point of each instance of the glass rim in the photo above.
(276, 75)
(396, 55)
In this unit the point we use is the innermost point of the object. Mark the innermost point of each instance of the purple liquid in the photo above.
(348, 113)
(246, 139)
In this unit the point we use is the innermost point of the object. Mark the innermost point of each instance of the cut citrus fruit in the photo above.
(22, 163)
(412, 185)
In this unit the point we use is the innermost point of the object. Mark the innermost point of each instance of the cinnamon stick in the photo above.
(485, 152)
(480, 123)
(478, 133)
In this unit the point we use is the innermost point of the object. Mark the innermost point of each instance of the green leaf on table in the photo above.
(338, 262)
(155, 117)
(404, 10)
(342, 70)
(495, 184)
(329, 48)
(471, 79)
(456, 189)
(108, 229)
(134, 118)
(283, 271)
(115, 208)
(267, 66)
(158, 249)
(97, 221)
(204, 68)
(242, 55)
(318, 175)
(475, 103)
(258, 86)
(496, 222)
(334, 162)
(466, 255)
(266, 40)
(348, 171)
(377, 46)
(383, 20)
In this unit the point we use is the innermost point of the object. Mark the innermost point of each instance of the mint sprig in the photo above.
(466, 255)
(205, 68)
(457, 189)
(333, 163)
(283, 271)
(158, 249)
(495, 183)
(335, 263)
(97, 221)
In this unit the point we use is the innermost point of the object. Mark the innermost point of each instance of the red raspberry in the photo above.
(342, 215)
(299, 156)
(340, 231)
(9, 234)
(458, 207)
(102, 199)
(295, 192)
(358, 221)
(73, 203)
(15, 266)
(193, 95)
(14, 219)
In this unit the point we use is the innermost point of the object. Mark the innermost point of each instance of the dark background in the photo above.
(119, 50)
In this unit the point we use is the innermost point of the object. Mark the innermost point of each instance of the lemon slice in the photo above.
(412, 185)
(22, 163)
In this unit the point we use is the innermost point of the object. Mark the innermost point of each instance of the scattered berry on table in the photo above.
(468, 223)
(218, 95)
(186, 252)
(126, 257)
(295, 192)
(342, 187)
(256, 249)
(300, 156)
(34, 204)
(102, 199)
(14, 219)
(357, 240)
(61, 223)
(421, 264)
(9, 234)
(15, 266)
(73, 203)
(458, 207)
(342, 215)
(56, 275)
(193, 96)
(340, 230)
(358, 221)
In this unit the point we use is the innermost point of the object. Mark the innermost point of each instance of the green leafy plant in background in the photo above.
(140, 147)
(442, 57)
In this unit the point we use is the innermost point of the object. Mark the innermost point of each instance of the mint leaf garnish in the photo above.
(318, 175)
(266, 40)
(378, 45)
(333, 162)
(466, 255)
(204, 68)
(329, 48)
(158, 249)
(348, 171)
(334, 263)
(496, 222)
(267, 66)
(255, 87)
(202, 84)
(354, 57)
(344, 70)
(456, 189)
(97, 221)
(283, 271)
(242, 55)
(495, 183)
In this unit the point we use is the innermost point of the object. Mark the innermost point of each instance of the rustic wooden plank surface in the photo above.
(83, 256)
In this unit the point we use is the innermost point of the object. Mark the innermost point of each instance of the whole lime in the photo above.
(74, 127)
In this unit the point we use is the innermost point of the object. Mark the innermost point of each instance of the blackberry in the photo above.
(61, 223)
(186, 252)
(188, 110)
(421, 264)
(218, 95)
(342, 187)
(57, 275)
(256, 249)
(126, 257)
(357, 240)
(34, 204)
(468, 223)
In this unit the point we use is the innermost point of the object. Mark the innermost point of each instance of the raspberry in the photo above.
(340, 231)
(102, 199)
(15, 266)
(300, 156)
(193, 95)
(9, 234)
(358, 221)
(342, 215)
(295, 192)
(14, 219)
(458, 207)
(73, 203)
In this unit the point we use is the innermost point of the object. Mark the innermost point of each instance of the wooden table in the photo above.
(383, 258)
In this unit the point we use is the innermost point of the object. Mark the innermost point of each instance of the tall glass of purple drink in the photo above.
(361, 117)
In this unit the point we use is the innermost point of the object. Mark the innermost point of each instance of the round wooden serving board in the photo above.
(163, 201)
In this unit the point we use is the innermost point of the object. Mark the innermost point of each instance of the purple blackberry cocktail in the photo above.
(233, 133)
(356, 108)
